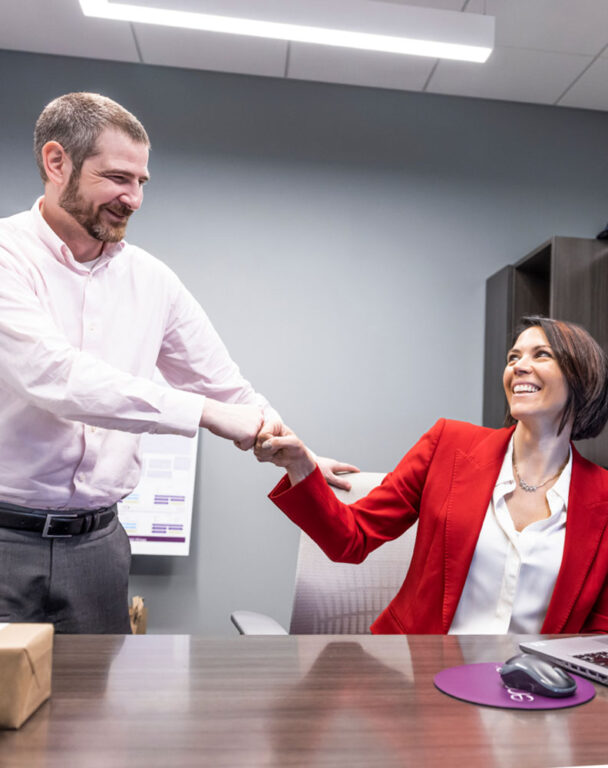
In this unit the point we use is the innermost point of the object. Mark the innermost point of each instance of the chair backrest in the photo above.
(341, 598)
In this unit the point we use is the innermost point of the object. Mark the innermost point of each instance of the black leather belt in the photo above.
(54, 525)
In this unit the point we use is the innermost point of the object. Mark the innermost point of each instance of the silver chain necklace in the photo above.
(531, 488)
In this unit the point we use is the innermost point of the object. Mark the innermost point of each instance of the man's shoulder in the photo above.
(16, 223)
(145, 268)
(16, 235)
(140, 258)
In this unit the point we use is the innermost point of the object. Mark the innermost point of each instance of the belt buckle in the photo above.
(47, 524)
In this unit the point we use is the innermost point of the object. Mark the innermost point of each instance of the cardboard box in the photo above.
(138, 616)
(26, 661)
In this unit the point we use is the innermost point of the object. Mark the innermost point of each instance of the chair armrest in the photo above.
(251, 623)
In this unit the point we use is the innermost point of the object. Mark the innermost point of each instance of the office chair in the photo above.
(339, 598)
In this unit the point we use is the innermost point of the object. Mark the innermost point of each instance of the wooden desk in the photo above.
(356, 701)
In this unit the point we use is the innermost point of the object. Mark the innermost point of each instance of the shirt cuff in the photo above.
(270, 414)
(180, 414)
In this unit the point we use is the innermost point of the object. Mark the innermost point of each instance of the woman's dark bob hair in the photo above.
(585, 367)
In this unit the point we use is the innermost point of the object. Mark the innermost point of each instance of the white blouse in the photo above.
(513, 573)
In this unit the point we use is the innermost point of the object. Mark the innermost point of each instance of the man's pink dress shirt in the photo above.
(78, 349)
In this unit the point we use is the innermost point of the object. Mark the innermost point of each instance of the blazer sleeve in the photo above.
(349, 532)
(597, 620)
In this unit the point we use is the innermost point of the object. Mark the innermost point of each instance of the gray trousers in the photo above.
(80, 584)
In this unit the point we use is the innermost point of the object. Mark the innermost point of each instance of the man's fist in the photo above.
(239, 423)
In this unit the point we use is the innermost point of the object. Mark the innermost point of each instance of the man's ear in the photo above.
(57, 163)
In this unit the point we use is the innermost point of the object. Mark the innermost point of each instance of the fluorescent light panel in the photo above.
(363, 24)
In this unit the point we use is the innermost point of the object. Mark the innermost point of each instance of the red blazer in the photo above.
(446, 481)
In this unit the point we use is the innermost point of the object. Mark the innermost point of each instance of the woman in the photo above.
(512, 533)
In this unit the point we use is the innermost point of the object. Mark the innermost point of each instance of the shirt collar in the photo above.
(59, 249)
(505, 476)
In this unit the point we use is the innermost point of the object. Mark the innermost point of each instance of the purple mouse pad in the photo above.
(481, 684)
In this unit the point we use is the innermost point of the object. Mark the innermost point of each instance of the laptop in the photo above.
(586, 656)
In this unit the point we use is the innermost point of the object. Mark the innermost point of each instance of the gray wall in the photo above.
(340, 239)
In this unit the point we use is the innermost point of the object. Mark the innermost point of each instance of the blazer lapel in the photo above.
(585, 523)
(473, 479)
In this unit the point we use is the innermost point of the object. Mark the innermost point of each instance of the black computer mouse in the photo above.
(527, 672)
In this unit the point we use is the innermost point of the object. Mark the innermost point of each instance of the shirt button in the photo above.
(92, 429)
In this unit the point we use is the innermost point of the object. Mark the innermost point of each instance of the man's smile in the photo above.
(119, 216)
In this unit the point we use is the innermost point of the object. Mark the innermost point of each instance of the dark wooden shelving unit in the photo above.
(565, 278)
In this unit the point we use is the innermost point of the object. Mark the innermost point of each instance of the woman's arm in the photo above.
(284, 449)
(597, 620)
(349, 532)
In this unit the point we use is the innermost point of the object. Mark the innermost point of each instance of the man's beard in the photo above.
(89, 217)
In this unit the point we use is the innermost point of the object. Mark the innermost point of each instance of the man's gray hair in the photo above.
(75, 121)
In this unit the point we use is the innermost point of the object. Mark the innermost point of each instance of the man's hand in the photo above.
(330, 469)
(239, 423)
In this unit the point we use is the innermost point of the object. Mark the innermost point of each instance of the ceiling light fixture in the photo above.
(372, 26)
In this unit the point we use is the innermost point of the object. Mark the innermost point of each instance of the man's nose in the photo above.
(132, 198)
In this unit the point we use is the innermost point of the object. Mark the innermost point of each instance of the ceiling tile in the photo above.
(512, 74)
(59, 27)
(564, 26)
(530, 63)
(351, 67)
(591, 91)
(194, 49)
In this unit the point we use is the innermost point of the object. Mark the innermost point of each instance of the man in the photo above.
(84, 320)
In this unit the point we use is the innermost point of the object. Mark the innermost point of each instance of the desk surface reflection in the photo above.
(356, 701)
